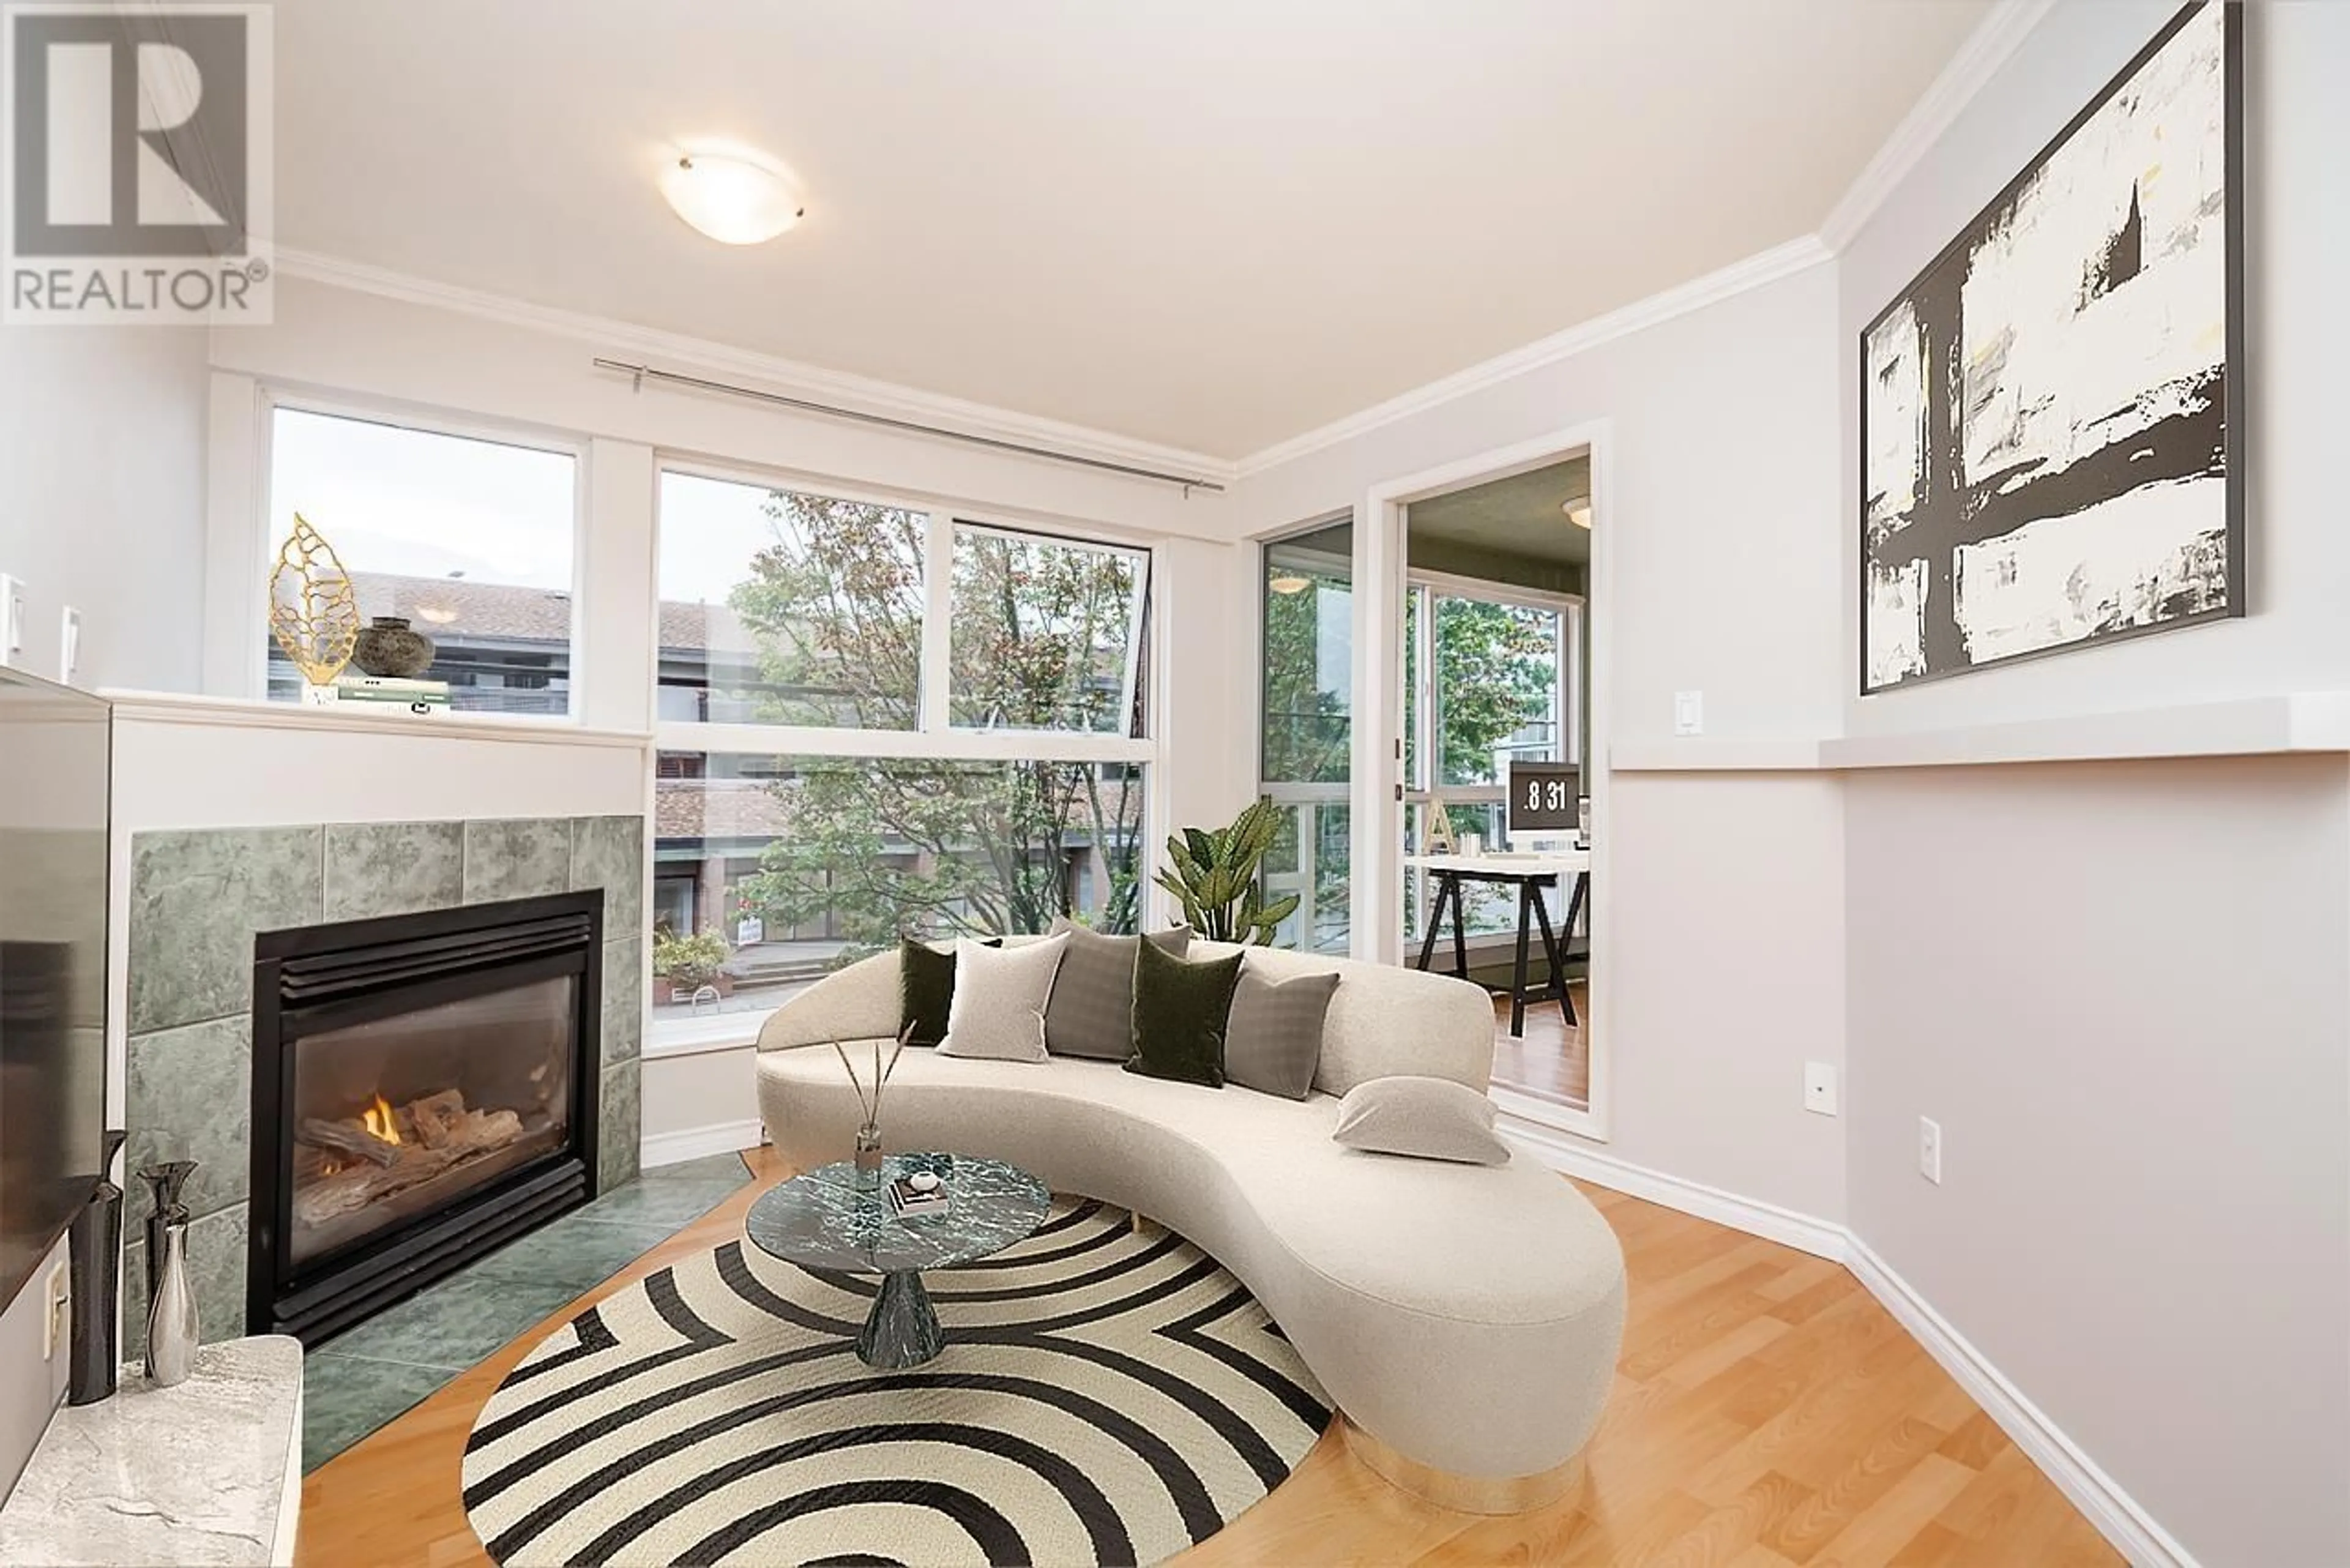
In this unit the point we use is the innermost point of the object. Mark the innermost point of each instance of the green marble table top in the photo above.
(831, 1218)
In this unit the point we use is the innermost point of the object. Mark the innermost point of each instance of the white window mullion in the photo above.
(937, 625)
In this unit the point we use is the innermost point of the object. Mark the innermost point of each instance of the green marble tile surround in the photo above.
(356, 1383)
(198, 898)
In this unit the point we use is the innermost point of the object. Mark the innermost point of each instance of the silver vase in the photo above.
(173, 1330)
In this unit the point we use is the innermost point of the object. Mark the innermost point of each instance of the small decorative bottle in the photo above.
(172, 1327)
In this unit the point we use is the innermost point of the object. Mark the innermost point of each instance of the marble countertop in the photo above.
(203, 1475)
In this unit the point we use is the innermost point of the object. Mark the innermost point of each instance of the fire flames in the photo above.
(379, 1121)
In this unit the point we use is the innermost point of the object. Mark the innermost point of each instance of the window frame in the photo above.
(421, 420)
(935, 738)
(1425, 702)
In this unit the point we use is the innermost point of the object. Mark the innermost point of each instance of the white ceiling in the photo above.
(1209, 223)
(1521, 516)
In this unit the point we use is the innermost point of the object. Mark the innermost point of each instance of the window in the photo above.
(879, 720)
(1305, 758)
(783, 607)
(799, 862)
(469, 541)
(1488, 676)
(1047, 634)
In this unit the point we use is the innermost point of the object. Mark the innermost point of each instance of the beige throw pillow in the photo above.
(999, 996)
(1426, 1118)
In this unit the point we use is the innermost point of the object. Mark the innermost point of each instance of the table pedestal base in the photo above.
(902, 1330)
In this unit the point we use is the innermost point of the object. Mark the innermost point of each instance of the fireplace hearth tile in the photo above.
(454, 1324)
(608, 852)
(624, 999)
(393, 868)
(731, 1168)
(578, 1252)
(190, 1096)
(216, 1260)
(345, 1398)
(523, 859)
(196, 899)
(347, 1392)
(656, 1200)
(617, 1126)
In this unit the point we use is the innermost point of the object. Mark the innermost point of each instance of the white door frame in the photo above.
(1380, 571)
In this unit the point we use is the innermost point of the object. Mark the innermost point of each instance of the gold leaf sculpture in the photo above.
(313, 613)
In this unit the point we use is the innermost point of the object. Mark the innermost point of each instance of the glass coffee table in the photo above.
(833, 1218)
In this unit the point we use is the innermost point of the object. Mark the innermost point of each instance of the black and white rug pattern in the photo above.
(1104, 1398)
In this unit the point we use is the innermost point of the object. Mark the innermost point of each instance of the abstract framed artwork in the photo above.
(2051, 432)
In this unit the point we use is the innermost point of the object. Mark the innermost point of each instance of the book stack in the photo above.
(906, 1200)
(393, 695)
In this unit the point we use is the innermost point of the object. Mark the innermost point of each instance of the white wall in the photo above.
(102, 496)
(2121, 986)
(2124, 992)
(1721, 515)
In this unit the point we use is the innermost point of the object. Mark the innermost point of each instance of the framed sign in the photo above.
(1544, 797)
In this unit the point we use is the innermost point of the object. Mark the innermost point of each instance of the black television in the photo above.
(55, 749)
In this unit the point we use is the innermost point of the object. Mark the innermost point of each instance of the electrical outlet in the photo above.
(1689, 712)
(68, 645)
(54, 1323)
(12, 619)
(1930, 1149)
(1820, 1088)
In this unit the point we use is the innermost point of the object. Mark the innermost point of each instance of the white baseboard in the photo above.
(2131, 1529)
(1804, 1233)
(2118, 1516)
(696, 1142)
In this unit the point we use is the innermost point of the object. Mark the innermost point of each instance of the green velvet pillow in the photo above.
(1180, 1012)
(926, 989)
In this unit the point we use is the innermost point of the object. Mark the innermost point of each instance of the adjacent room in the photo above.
(1056, 785)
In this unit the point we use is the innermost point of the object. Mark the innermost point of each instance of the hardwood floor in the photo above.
(1767, 1412)
(1553, 1059)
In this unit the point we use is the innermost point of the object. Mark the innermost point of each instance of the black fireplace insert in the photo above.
(423, 1092)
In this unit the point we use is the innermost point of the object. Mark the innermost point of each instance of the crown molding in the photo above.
(791, 377)
(1766, 267)
(1995, 38)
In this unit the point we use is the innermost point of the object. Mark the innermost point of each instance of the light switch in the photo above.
(69, 646)
(1820, 1088)
(1689, 712)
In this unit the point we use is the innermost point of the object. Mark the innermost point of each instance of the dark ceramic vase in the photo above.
(390, 648)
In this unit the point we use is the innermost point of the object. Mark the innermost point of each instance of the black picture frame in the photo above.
(2234, 382)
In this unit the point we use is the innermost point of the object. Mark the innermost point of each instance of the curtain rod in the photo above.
(643, 373)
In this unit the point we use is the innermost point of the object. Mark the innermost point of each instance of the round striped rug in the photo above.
(1104, 1398)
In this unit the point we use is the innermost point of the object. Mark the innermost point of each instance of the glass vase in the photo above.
(868, 1156)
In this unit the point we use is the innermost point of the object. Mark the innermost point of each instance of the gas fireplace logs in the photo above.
(366, 1158)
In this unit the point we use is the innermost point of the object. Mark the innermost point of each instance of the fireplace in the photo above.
(423, 1090)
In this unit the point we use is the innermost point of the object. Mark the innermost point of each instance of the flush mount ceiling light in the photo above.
(734, 200)
(1290, 583)
(1578, 512)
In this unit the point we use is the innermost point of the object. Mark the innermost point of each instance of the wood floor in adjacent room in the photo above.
(1552, 1061)
(1766, 1411)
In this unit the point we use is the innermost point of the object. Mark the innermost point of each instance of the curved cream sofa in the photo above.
(1466, 1317)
